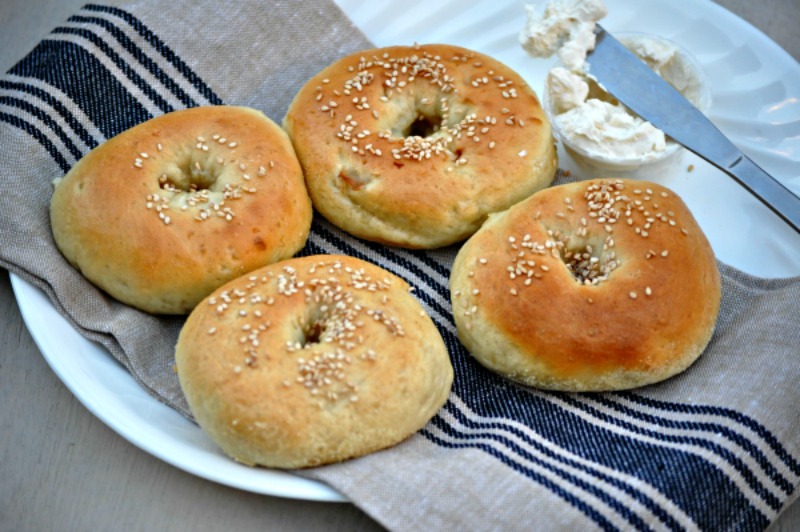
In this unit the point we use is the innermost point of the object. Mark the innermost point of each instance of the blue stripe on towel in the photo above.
(697, 428)
(504, 426)
(161, 47)
(56, 105)
(46, 119)
(34, 132)
(124, 67)
(557, 488)
(140, 56)
(721, 451)
(77, 73)
(669, 470)
(421, 256)
(350, 246)
(746, 421)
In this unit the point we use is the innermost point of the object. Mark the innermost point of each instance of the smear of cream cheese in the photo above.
(666, 60)
(596, 127)
(564, 27)
(593, 122)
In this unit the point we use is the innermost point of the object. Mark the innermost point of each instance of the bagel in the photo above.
(591, 286)
(415, 146)
(311, 361)
(164, 213)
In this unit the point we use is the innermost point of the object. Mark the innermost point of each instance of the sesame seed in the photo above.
(632, 295)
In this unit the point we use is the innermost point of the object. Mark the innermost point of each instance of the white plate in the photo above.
(756, 92)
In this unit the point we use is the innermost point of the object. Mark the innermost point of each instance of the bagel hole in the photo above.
(590, 260)
(415, 119)
(312, 333)
(190, 174)
(424, 114)
(312, 330)
(424, 126)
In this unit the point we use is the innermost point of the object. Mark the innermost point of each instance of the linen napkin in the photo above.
(715, 448)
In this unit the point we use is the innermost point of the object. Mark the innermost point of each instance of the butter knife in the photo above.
(637, 87)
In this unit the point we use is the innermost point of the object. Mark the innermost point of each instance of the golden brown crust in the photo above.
(128, 217)
(646, 310)
(377, 176)
(311, 361)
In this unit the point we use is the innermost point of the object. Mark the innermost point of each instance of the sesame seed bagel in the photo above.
(164, 213)
(415, 146)
(592, 286)
(311, 361)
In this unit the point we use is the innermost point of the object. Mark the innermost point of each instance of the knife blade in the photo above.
(630, 81)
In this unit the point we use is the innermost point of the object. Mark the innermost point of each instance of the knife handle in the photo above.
(766, 188)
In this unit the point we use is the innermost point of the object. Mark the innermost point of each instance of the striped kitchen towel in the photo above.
(715, 448)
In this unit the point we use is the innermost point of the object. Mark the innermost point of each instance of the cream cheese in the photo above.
(592, 122)
(564, 27)
(598, 126)
(666, 60)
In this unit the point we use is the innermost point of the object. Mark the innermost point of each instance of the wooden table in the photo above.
(63, 469)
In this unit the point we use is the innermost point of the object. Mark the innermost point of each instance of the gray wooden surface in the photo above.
(62, 469)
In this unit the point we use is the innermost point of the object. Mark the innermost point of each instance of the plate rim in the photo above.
(291, 485)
